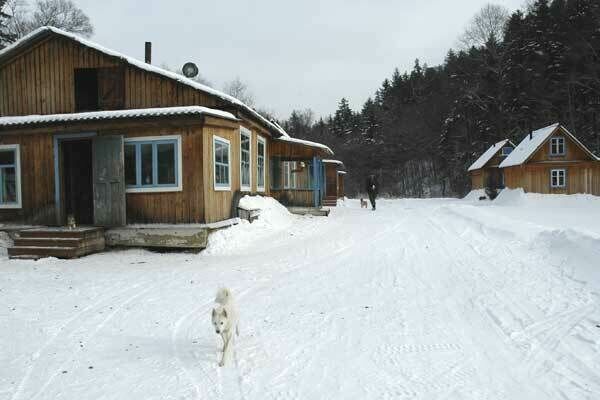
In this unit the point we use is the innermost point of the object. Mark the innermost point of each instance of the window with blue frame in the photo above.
(9, 177)
(152, 164)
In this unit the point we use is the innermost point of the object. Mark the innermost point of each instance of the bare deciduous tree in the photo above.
(18, 23)
(5, 36)
(63, 14)
(488, 23)
(239, 90)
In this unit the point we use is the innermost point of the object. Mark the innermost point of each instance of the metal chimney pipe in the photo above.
(148, 53)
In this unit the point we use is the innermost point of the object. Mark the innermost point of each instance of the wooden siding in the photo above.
(217, 203)
(37, 175)
(37, 179)
(294, 197)
(583, 173)
(341, 189)
(43, 76)
(185, 206)
(293, 151)
(583, 177)
(476, 179)
(331, 180)
(573, 151)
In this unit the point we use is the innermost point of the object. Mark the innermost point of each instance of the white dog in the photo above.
(225, 320)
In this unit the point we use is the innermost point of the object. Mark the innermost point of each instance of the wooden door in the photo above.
(109, 181)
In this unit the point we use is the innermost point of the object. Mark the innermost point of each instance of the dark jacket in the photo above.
(372, 185)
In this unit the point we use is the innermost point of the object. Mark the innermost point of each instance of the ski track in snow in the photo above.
(418, 300)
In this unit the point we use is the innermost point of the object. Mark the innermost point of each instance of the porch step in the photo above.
(57, 242)
(75, 233)
(48, 242)
(330, 201)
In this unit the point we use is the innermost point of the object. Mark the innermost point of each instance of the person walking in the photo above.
(372, 189)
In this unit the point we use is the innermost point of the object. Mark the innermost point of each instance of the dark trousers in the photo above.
(372, 197)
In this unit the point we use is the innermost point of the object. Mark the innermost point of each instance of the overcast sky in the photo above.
(293, 55)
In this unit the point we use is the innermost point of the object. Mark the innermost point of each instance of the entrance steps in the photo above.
(330, 201)
(57, 242)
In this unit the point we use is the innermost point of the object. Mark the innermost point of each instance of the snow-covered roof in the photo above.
(531, 143)
(116, 114)
(337, 162)
(142, 65)
(488, 155)
(305, 143)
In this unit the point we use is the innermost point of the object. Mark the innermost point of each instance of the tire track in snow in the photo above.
(37, 355)
(94, 331)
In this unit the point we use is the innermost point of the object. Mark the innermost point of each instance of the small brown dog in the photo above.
(363, 203)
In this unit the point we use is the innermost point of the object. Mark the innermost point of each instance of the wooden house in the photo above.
(331, 182)
(90, 132)
(485, 171)
(552, 160)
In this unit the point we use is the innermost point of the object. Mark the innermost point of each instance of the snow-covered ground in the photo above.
(422, 299)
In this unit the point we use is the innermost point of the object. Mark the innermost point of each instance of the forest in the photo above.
(422, 128)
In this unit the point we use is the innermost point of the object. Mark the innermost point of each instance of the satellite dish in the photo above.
(190, 70)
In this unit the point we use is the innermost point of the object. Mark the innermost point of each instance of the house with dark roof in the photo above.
(109, 141)
(552, 160)
(485, 171)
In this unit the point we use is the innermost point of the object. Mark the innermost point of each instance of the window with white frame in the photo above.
(153, 164)
(245, 158)
(558, 178)
(221, 157)
(10, 176)
(289, 177)
(261, 156)
(557, 146)
(506, 151)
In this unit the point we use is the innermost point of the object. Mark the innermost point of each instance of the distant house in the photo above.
(485, 171)
(552, 160)
(90, 132)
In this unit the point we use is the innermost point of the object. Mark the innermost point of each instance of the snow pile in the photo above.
(474, 195)
(517, 197)
(273, 218)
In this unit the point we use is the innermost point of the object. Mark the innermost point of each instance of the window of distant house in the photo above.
(506, 151)
(289, 177)
(153, 164)
(221, 157)
(245, 159)
(557, 146)
(558, 178)
(10, 176)
(261, 155)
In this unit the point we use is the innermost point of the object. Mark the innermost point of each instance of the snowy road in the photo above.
(422, 299)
